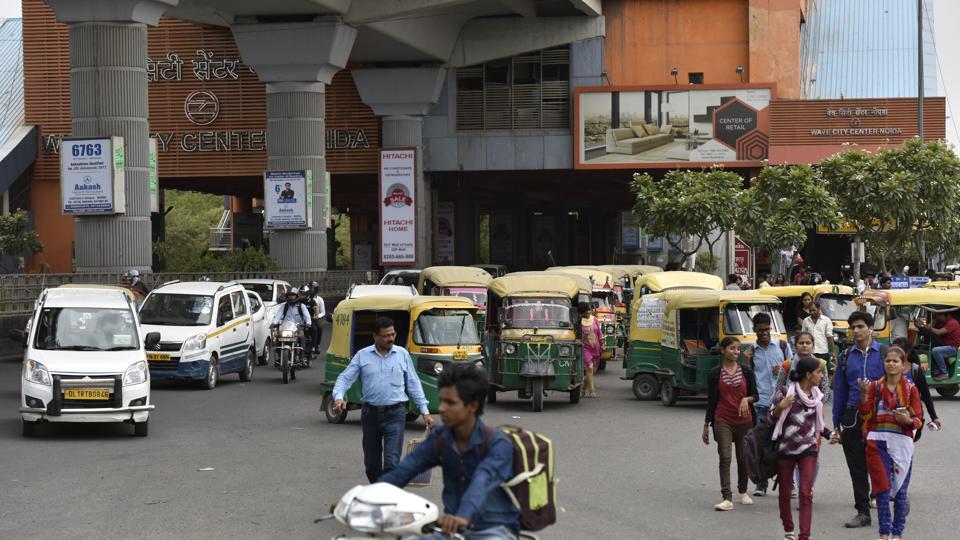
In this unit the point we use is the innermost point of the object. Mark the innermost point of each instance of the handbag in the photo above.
(425, 478)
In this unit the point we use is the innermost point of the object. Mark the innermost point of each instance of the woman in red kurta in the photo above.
(592, 348)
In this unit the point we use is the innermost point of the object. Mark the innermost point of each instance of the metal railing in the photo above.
(18, 292)
(221, 236)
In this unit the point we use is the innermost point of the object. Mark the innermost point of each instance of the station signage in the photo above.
(397, 203)
(288, 199)
(92, 176)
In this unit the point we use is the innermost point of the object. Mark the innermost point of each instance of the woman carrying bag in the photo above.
(731, 392)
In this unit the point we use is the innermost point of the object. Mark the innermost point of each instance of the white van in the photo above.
(206, 331)
(85, 360)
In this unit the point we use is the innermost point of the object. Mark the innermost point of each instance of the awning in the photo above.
(17, 153)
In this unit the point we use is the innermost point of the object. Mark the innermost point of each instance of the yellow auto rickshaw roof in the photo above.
(455, 276)
(595, 278)
(663, 281)
(415, 304)
(914, 297)
(535, 283)
(942, 285)
(793, 291)
(704, 298)
(635, 270)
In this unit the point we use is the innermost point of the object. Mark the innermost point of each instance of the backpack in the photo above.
(761, 452)
(533, 488)
(842, 361)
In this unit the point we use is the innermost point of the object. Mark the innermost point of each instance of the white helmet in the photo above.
(292, 290)
(133, 272)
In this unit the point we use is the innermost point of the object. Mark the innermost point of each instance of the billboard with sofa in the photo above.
(671, 126)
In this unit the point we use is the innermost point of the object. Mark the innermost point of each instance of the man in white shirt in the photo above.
(318, 314)
(821, 327)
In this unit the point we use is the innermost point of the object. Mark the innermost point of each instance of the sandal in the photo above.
(593, 394)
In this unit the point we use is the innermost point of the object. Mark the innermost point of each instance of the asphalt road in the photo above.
(628, 469)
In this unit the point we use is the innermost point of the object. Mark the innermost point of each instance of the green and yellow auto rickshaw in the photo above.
(895, 312)
(675, 280)
(675, 337)
(465, 281)
(598, 285)
(436, 330)
(532, 333)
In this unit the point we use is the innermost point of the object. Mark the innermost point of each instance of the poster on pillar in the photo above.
(92, 176)
(398, 220)
(445, 236)
(288, 199)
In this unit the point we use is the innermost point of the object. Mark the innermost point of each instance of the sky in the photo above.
(946, 19)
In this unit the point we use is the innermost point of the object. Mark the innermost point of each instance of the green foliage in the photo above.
(707, 262)
(697, 204)
(16, 237)
(781, 204)
(248, 259)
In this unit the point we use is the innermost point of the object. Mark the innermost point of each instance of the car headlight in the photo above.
(510, 348)
(194, 344)
(565, 350)
(135, 374)
(438, 367)
(37, 372)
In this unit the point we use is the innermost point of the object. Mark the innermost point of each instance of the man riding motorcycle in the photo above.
(294, 311)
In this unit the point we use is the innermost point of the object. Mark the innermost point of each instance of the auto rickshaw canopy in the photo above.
(634, 270)
(946, 285)
(454, 276)
(535, 284)
(793, 291)
(664, 281)
(598, 279)
(913, 297)
(647, 308)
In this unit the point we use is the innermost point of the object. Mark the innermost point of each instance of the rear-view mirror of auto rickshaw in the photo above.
(465, 281)
(436, 330)
(895, 314)
(598, 284)
(675, 337)
(534, 344)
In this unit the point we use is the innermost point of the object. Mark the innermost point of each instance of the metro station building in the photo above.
(528, 118)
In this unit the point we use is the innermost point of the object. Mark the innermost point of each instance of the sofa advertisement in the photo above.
(671, 126)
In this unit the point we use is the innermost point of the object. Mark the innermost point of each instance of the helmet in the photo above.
(133, 272)
(293, 290)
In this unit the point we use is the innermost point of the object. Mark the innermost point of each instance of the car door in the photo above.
(221, 338)
(261, 325)
(241, 329)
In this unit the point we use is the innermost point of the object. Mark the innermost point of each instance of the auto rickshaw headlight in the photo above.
(438, 368)
(565, 350)
(610, 329)
(510, 348)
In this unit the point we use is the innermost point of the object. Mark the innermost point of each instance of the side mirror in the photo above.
(19, 336)
(152, 339)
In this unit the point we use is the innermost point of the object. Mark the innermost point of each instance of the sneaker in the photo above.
(859, 520)
(759, 492)
(745, 499)
(724, 506)
(789, 536)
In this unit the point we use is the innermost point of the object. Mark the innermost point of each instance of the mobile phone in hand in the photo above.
(902, 410)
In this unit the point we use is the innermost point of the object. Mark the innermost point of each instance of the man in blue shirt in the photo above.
(766, 356)
(863, 360)
(387, 377)
(475, 459)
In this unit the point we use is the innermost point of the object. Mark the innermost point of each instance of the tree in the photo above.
(782, 203)
(696, 204)
(17, 238)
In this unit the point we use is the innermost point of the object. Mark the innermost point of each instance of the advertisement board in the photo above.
(287, 199)
(445, 236)
(92, 176)
(398, 233)
(154, 176)
(741, 259)
(669, 126)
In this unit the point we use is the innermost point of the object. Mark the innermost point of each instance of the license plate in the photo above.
(459, 355)
(538, 339)
(156, 356)
(87, 393)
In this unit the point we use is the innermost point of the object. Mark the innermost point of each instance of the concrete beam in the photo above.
(591, 8)
(364, 11)
(524, 8)
(399, 91)
(435, 37)
(295, 52)
(200, 13)
(489, 39)
(139, 11)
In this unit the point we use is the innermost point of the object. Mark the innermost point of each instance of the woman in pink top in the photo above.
(592, 348)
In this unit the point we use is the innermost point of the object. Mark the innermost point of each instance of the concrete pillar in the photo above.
(402, 97)
(297, 61)
(108, 97)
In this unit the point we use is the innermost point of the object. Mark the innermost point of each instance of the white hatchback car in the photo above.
(85, 360)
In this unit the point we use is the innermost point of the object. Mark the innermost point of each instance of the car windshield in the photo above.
(177, 309)
(265, 290)
(837, 307)
(476, 295)
(446, 327)
(537, 313)
(738, 318)
(86, 329)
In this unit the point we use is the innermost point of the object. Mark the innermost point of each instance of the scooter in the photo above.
(383, 510)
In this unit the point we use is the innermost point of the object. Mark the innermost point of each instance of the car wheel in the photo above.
(327, 406)
(28, 428)
(213, 374)
(267, 350)
(247, 374)
(645, 387)
(140, 429)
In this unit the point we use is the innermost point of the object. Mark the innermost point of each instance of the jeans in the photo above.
(728, 437)
(759, 411)
(855, 452)
(382, 439)
(493, 533)
(316, 333)
(938, 354)
(806, 467)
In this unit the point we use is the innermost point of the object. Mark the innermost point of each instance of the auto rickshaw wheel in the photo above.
(668, 394)
(492, 395)
(575, 395)
(948, 391)
(327, 406)
(645, 387)
(537, 391)
(602, 366)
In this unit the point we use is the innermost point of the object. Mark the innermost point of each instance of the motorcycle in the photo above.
(288, 354)
(383, 510)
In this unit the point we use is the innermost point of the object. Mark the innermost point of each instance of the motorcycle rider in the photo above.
(294, 311)
(134, 282)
